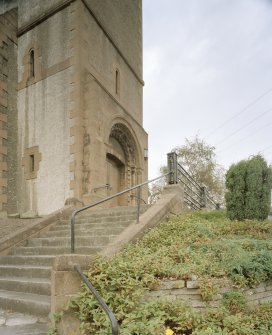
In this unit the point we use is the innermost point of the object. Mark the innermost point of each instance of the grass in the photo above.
(201, 244)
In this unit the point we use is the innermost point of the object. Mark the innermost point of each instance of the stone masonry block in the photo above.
(69, 324)
(269, 287)
(260, 295)
(158, 294)
(185, 291)
(260, 289)
(65, 282)
(266, 299)
(168, 285)
(191, 284)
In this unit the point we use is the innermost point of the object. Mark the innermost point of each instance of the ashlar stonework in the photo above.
(71, 118)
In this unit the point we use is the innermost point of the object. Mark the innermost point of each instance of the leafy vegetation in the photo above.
(176, 250)
(249, 189)
(199, 159)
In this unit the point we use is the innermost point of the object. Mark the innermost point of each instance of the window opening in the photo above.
(32, 63)
(117, 82)
(32, 163)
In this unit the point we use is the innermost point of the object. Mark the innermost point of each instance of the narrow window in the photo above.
(117, 82)
(31, 63)
(31, 163)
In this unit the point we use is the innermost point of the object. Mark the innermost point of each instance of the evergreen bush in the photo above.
(249, 189)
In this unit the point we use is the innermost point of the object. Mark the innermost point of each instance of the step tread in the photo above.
(30, 297)
(24, 266)
(26, 279)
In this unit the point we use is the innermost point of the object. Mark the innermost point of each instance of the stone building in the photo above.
(71, 120)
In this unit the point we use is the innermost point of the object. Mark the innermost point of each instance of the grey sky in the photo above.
(204, 62)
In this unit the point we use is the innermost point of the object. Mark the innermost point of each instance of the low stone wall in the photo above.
(190, 292)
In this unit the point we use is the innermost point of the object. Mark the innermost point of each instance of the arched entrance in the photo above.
(122, 162)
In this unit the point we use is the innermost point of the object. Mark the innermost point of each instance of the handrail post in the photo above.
(138, 203)
(73, 232)
(172, 163)
(203, 197)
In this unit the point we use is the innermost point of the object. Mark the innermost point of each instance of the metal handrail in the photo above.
(104, 306)
(75, 212)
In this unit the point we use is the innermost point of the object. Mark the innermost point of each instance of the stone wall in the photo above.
(105, 104)
(71, 84)
(189, 291)
(126, 18)
(44, 101)
(8, 110)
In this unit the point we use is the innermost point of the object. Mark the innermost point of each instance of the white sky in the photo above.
(204, 62)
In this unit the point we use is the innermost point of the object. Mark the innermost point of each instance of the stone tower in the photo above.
(71, 102)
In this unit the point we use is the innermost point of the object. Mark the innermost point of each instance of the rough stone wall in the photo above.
(44, 109)
(8, 110)
(189, 292)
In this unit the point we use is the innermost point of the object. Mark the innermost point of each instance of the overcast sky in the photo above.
(208, 71)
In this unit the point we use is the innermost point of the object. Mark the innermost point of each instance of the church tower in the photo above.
(73, 126)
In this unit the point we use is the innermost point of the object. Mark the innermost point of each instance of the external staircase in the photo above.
(25, 275)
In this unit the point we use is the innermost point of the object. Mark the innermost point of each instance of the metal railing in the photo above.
(196, 196)
(138, 201)
(104, 306)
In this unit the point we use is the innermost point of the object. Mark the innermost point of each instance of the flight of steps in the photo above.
(25, 275)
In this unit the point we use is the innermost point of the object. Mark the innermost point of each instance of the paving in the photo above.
(21, 324)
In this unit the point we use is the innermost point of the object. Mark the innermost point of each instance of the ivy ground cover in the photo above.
(206, 245)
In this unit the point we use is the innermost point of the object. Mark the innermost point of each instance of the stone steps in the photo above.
(25, 276)
(27, 285)
(27, 260)
(92, 225)
(56, 250)
(25, 271)
(28, 303)
(83, 241)
(83, 231)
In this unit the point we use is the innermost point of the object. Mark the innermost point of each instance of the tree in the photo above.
(236, 185)
(199, 159)
(249, 189)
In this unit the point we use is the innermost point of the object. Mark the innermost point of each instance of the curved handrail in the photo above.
(104, 306)
(75, 212)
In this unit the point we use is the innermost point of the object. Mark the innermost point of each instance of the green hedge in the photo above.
(249, 189)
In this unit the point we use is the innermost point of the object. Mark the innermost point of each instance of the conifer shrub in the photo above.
(249, 189)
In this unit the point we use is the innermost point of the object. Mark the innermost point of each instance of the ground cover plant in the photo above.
(203, 244)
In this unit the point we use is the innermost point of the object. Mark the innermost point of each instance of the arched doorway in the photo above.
(122, 162)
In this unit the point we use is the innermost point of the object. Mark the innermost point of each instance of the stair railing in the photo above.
(104, 306)
(138, 200)
(196, 196)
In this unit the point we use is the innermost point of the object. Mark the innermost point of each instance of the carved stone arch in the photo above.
(124, 137)
(122, 148)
